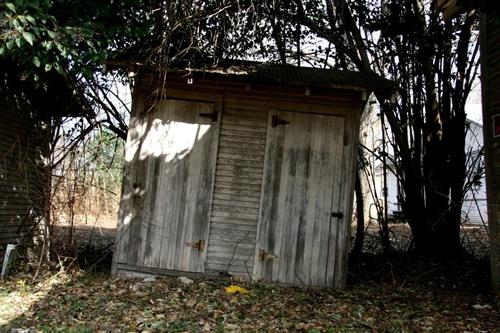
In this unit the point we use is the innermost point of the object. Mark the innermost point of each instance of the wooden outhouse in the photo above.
(245, 169)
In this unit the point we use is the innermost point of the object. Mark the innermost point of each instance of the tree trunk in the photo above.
(360, 219)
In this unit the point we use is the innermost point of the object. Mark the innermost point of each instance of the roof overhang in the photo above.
(257, 72)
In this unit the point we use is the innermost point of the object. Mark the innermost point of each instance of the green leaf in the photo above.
(22, 18)
(36, 61)
(11, 6)
(48, 67)
(52, 34)
(30, 19)
(58, 68)
(2, 50)
(47, 45)
(29, 37)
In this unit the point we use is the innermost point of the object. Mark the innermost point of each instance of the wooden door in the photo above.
(175, 171)
(302, 188)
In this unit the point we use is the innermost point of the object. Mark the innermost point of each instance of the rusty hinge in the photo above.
(200, 245)
(263, 255)
(211, 115)
(278, 121)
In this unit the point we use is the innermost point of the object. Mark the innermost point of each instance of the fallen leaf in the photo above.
(232, 289)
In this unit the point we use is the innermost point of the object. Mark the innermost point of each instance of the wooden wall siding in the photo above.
(303, 185)
(22, 176)
(238, 183)
(171, 190)
(247, 187)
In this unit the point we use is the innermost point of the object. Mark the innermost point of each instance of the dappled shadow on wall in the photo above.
(166, 185)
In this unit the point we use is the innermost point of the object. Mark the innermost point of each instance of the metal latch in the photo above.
(278, 121)
(338, 214)
(263, 255)
(211, 115)
(200, 245)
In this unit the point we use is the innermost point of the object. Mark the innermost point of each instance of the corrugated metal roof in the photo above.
(302, 75)
(287, 74)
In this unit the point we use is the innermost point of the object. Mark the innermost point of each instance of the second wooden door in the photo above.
(301, 198)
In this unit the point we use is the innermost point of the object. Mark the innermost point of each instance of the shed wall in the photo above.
(238, 182)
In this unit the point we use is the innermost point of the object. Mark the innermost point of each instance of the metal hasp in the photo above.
(338, 214)
(212, 115)
(200, 245)
(278, 121)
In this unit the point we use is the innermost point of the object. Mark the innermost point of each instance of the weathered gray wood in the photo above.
(249, 150)
(221, 189)
(250, 141)
(243, 134)
(172, 178)
(243, 163)
(303, 188)
(232, 172)
(237, 202)
(346, 197)
(237, 179)
(253, 188)
(238, 198)
(142, 271)
(127, 212)
(303, 160)
(238, 183)
(231, 215)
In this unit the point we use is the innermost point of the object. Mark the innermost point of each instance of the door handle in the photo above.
(338, 215)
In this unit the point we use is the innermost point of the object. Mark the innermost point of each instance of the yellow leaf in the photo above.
(236, 289)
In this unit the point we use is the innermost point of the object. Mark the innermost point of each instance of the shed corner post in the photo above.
(341, 268)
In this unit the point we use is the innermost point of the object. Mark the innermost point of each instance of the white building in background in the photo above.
(474, 208)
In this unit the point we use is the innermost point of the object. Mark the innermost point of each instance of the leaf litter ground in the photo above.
(386, 296)
(398, 293)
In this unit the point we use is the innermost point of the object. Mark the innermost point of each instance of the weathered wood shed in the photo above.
(245, 169)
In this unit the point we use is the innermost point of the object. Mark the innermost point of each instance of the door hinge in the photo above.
(200, 245)
(338, 214)
(263, 255)
(278, 121)
(211, 115)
